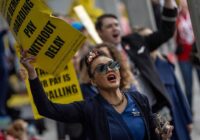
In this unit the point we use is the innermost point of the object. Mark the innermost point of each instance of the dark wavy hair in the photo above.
(127, 78)
(99, 21)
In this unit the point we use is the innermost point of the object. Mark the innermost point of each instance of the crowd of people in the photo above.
(125, 82)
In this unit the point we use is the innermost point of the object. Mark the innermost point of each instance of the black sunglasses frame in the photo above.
(103, 68)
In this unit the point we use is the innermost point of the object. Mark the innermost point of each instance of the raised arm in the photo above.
(167, 28)
(170, 4)
(65, 113)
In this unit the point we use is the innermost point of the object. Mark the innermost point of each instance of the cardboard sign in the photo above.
(50, 39)
(62, 89)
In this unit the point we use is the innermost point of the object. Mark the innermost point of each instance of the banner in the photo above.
(62, 89)
(50, 39)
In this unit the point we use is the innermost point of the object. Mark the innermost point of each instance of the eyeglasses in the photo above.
(103, 68)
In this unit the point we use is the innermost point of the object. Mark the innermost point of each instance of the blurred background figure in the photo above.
(19, 130)
(182, 115)
(181, 112)
(84, 49)
(4, 118)
(185, 41)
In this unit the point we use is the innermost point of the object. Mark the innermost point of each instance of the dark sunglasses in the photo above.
(103, 68)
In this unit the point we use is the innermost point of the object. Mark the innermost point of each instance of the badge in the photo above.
(135, 112)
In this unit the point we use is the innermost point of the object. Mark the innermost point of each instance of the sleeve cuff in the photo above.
(35, 82)
(169, 14)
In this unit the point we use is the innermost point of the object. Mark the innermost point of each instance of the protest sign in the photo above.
(63, 88)
(50, 39)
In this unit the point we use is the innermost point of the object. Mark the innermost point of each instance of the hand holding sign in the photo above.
(61, 89)
(26, 61)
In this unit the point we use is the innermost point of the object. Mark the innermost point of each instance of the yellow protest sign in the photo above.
(62, 89)
(50, 39)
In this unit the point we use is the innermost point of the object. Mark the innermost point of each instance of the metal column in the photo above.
(109, 6)
(140, 13)
(61, 6)
(193, 6)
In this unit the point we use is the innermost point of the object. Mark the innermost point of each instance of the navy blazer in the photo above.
(90, 113)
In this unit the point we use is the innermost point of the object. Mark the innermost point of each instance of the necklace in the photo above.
(120, 102)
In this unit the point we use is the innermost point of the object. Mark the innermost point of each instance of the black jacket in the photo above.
(90, 113)
(139, 52)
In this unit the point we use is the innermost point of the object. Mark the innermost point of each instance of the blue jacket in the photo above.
(90, 112)
(181, 112)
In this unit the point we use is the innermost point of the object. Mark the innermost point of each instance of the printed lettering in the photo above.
(55, 47)
(41, 39)
(30, 28)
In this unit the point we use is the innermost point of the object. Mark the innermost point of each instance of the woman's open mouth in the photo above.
(111, 78)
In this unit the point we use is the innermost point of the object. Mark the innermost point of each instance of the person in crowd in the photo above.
(185, 41)
(3, 136)
(182, 116)
(110, 115)
(127, 81)
(19, 130)
(137, 49)
(4, 118)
